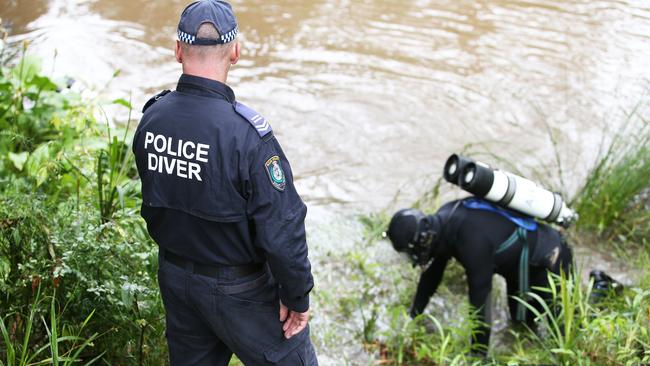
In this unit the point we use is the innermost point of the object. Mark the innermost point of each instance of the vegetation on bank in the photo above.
(614, 202)
(78, 270)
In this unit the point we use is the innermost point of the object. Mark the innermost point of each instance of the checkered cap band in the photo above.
(184, 37)
(190, 39)
(230, 36)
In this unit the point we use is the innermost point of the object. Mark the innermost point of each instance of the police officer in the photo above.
(484, 239)
(218, 198)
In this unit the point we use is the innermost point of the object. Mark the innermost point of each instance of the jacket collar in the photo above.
(205, 87)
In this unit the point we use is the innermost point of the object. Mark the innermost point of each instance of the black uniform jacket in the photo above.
(217, 187)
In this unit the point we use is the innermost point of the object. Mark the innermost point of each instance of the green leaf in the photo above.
(11, 351)
(6, 87)
(43, 83)
(26, 69)
(91, 143)
(5, 269)
(563, 351)
(37, 164)
(123, 102)
(127, 297)
(41, 175)
(19, 159)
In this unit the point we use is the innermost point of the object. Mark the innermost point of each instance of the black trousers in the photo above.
(209, 319)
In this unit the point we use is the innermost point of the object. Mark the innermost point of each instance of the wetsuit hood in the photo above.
(412, 232)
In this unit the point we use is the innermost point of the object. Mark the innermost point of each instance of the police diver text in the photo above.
(187, 150)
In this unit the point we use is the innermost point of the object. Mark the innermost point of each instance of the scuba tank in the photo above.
(454, 167)
(508, 190)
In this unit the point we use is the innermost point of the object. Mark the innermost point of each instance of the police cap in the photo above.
(215, 12)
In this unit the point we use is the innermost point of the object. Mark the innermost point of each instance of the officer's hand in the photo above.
(293, 322)
(284, 311)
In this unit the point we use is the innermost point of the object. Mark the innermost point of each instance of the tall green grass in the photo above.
(425, 341)
(563, 318)
(612, 202)
(577, 331)
(65, 347)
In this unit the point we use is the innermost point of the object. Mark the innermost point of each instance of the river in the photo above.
(369, 97)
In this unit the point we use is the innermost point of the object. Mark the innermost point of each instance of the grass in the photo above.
(614, 199)
(563, 326)
(64, 347)
(614, 332)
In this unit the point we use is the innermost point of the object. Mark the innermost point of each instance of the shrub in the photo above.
(69, 226)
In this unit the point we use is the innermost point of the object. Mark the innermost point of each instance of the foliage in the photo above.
(564, 317)
(114, 163)
(614, 200)
(375, 225)
(107, 268)
(578, 331)
(69, 227)
(39, 123)
(65, 345)
(425, 341)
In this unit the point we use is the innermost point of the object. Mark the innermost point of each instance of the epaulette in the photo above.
(262, 127)
(154, 99)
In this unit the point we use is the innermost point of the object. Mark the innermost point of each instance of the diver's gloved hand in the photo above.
(414, 311)
(426, 321)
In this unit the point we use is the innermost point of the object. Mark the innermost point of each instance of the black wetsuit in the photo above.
(472, 236)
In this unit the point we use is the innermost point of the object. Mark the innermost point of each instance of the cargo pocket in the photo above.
(291, 351)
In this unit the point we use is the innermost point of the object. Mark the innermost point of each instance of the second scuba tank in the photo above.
(508, 190)
(454, 166)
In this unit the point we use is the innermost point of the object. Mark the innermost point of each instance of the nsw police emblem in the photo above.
(276, 174)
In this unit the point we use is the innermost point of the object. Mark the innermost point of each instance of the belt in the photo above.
(213, 271)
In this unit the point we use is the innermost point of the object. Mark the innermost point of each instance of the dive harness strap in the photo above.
(519, 235)
(478, 204)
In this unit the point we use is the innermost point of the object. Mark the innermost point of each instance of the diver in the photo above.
(485, 239)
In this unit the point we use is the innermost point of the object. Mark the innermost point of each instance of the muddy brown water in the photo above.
(369, 98)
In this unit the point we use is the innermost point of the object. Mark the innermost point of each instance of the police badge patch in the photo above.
(276, 174)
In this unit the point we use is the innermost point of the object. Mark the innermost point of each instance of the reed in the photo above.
(65, 347)
(613, 200)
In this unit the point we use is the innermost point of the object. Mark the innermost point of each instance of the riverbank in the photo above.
(78, 270)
